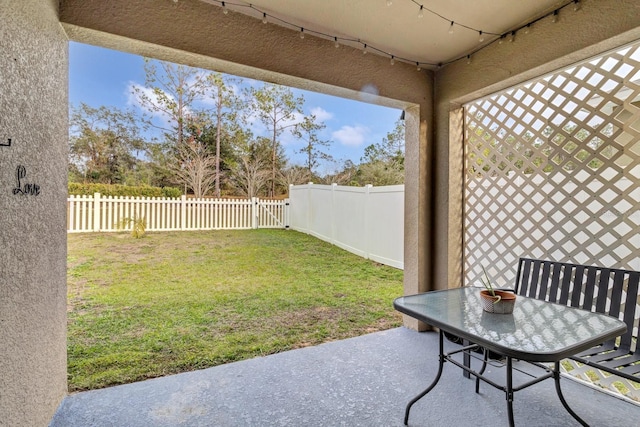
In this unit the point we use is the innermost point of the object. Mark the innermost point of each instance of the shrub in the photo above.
(138, 226)
(87, 189)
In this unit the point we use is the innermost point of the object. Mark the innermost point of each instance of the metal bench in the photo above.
(603, 290)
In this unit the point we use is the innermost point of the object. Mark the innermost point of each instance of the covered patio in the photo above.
(393, 53)
(363, 381)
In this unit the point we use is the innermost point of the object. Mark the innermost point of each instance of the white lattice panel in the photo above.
(552, 171)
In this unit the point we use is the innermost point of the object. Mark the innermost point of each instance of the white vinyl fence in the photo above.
(99, 213)
(367, 221)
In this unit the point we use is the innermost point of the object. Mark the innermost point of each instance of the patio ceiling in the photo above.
(396, 29)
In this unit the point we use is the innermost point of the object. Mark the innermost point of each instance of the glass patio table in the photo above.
(537, 331)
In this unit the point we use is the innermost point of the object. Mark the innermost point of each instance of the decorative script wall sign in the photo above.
(21, 187)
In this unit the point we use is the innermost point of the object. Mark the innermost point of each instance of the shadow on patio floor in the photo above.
(363, 381)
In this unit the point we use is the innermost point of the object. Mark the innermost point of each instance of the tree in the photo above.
(172, 91)
(295, 175)
(223, 99)
(380, 173)
(383, 163)
(390, 149)
(308, 130)
(251, 172)
(346, 176)
(276, 107)
(194, 164)
(103, 143)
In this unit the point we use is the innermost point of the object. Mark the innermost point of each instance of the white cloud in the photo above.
(321, 114)
(352, 136)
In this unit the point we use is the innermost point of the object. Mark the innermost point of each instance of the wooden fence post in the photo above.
(254, 212)
(183, 212)
(96, 212)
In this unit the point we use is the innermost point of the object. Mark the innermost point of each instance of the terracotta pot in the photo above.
(503, 305)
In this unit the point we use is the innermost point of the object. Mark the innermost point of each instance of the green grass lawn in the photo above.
(178, 301)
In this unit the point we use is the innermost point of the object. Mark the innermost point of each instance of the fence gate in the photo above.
(272, 213)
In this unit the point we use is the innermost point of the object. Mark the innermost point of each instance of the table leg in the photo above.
(466, 358)
(433, 384)
(484, 366)
(509, 390)
(556, 378)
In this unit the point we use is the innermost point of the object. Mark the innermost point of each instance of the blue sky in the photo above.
(99, 76)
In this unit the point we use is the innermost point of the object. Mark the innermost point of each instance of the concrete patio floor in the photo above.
(363, 381)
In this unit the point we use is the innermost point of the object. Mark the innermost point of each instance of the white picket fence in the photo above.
(107, 214)
(367, 221)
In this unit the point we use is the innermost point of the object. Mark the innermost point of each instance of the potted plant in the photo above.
(494, 300)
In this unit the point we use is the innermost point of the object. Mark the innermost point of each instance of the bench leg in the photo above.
(556, 378)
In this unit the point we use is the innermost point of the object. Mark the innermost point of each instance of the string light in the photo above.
(366, 47)
(393, 60)
(468, 59)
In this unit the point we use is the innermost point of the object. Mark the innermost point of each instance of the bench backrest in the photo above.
(604, 290)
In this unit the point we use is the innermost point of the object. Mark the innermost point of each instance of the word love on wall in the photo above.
(22, 188)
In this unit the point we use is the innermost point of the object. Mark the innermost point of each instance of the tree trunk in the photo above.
(219, 129)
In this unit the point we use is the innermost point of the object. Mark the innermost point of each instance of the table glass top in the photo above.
(540, 330)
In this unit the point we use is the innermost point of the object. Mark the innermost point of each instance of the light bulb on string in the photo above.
(264, 18)
(451, 28)
(527, 29)
(418, 67)
(335, 42)
(301, 32)
(576, 5)
(554, 19)
(224, 9)
(480, 36)
(501, 39)
(393, 60)
(512, 37)
(468, 59)
(421, 12)
(364, 49)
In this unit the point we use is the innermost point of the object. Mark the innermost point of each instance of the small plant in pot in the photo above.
(494, 300)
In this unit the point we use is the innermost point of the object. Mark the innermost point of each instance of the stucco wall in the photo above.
(33, 114)
(243, 46)
(599, 26)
